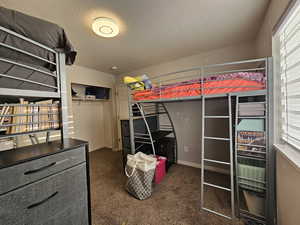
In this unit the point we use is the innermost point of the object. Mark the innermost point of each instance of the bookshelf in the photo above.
(26, 112)
(251, 135)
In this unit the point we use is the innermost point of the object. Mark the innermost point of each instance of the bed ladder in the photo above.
(206, 160)
(142, 138)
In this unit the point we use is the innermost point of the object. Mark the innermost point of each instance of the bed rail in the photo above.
(23, 75)
(192, 83)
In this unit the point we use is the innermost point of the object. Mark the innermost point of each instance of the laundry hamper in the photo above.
(140, 170)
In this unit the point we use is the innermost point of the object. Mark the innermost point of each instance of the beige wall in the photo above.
(288, 194)
(264, 37)
(93, 121)
(231, 53)
(187, 115)
(287, 173)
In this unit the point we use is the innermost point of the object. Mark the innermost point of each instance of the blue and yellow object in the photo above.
(138, 83)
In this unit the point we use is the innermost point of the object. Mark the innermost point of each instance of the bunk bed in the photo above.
(33, 55)
(237, 82)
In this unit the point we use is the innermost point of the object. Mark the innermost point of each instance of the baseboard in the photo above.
(191, 164)
(98, 148)
(198, 165)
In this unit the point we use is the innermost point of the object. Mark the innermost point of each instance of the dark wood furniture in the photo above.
(45, 184)
(164, 144)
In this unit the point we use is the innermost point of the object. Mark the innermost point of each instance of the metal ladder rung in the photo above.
(144, 142)
(143, 138)
(216, 161)
(216, 213)
(217, 138)
(141, 134)
(203, 160)
(216, 117)
(217, 186)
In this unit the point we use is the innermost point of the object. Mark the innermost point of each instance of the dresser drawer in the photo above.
(60, 199)
(34, 170)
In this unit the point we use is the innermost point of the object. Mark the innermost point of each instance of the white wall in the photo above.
(287, 173)
(264, 37)
(187, 115)
(93, 121)
(231, 53)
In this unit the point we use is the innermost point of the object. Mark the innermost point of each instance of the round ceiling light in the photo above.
(105, 27)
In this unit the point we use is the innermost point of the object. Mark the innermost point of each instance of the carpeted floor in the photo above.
(176, 201)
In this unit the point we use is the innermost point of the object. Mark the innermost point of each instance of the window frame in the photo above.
(279, 141)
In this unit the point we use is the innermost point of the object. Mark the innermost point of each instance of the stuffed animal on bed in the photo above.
(138, 83)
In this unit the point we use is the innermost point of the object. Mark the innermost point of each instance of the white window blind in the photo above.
(287, 39)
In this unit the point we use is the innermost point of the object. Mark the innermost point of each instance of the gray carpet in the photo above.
(176, 201)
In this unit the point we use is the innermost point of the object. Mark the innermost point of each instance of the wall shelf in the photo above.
(90, 100)
(81, 92)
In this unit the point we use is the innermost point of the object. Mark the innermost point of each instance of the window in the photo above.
(286, 52)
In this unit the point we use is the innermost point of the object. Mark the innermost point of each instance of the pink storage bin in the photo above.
(160, 170)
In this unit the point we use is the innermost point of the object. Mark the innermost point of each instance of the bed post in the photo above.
(271, 215)
(131, 126)
(62, 79)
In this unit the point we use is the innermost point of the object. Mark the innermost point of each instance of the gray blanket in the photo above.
(38, 30)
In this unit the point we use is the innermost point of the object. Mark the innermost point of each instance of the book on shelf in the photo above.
(56, 117)
(29, 120)
(26, 117)
(252, 109)
(251, 151)
(35, 117)
(4, 110)
(251, 125)
(251, 138)
(44, 114)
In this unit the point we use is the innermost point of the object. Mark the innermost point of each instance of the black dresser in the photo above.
(164, 144)
(45, 184)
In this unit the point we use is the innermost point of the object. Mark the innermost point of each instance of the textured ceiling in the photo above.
(152, 31)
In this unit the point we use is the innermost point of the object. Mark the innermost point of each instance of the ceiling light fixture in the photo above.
(105, 27)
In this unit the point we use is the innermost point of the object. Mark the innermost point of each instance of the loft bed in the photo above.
(208, 81)
(33, 55)
(217, 84)
(237, 82)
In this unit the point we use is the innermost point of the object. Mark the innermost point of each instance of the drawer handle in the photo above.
(40, 169)
(43, 201)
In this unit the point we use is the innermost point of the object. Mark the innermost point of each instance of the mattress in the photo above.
(44, 32)
(216, 84)
(19, 72)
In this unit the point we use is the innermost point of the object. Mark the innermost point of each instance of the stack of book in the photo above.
(27, 117)
(251, 131)
(254, 138)
(252, 109)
